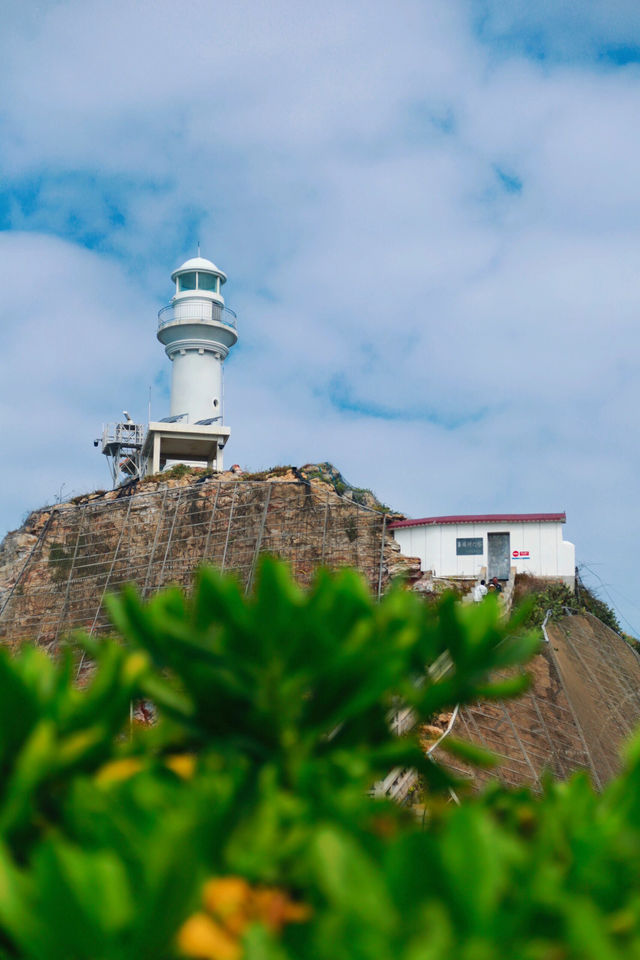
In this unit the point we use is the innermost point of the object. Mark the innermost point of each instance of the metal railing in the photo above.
(125, 434)
(196, 311)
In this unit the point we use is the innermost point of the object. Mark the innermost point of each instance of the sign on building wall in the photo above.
(521, 554)
(469, 546)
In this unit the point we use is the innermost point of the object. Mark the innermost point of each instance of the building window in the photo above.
(469, 547)
(187, 281)
(206, 281)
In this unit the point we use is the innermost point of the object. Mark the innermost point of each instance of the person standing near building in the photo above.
(479, 592)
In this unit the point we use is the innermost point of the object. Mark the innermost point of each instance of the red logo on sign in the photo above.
(515, 553)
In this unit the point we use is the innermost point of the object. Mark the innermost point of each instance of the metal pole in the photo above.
(69, 578)
(576, 722)
(324, 530)
(155, 544)
(113, 563)
(259, 539)
(384, 528)
(226, 542)
(173, 524)
(213, 512)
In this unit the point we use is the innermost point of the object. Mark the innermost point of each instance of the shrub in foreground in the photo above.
(240, 825)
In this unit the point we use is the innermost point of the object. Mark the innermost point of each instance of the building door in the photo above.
(499, 556)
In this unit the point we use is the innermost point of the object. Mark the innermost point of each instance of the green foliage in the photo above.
(179, 470)
(593, 604)
(351, 529)
(272, 725)
(543, 595)
(280, 471)
(60, 560)
(366, 497)
(270, 678)
(327, 473)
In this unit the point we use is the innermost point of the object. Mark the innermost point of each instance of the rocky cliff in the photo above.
(56, 569)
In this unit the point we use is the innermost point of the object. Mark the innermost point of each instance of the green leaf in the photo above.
(349, 879)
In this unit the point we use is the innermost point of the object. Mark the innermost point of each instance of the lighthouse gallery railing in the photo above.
(198, 311)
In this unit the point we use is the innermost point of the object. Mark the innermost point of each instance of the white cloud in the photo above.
(77, 347)
(410, 223)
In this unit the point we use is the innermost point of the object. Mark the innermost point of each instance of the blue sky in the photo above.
(430, 222)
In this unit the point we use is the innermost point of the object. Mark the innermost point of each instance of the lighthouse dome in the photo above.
(199, 263)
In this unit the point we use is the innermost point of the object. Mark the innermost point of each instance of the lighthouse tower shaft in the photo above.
(197, 331)
(196, 384)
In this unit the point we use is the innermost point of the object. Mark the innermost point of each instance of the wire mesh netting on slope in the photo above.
(583, 704)
(157, 538)
(601, 674)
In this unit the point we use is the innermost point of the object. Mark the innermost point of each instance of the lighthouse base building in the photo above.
(194, 444)
(489, 545)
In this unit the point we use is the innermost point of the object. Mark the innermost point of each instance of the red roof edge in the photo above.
(483, 518)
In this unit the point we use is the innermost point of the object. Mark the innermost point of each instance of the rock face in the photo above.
(56, 570)
(583, 703)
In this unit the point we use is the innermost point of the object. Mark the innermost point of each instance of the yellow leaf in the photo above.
(226, 895)
(134, 666)
(118, 770)
(203, 938)
(182, 764)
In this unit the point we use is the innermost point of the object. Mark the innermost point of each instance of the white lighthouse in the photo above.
(197, 331)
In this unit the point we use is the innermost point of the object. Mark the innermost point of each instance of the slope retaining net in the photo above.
(583, 703)
(159, 538)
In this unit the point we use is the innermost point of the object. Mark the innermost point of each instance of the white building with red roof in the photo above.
(469, 546)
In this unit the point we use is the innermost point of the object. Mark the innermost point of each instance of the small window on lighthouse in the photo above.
(187, 281)
(206, 281)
